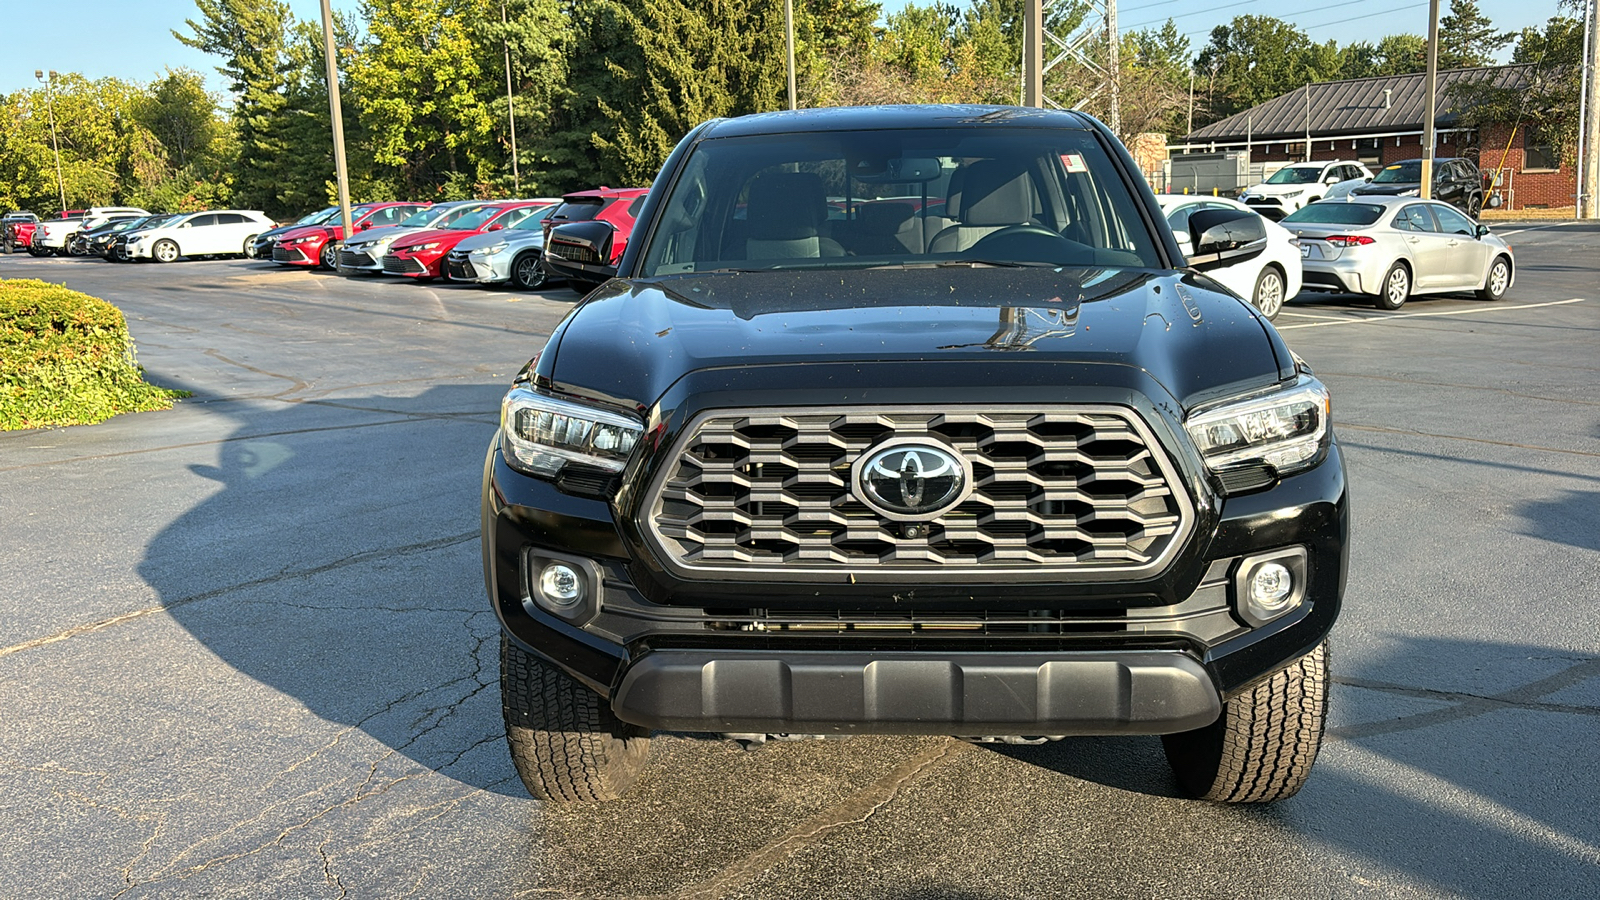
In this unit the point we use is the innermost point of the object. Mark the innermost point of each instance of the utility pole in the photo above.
(50, 100)
(1114, 66)
(788, 38)
(1033, 53)
(338, 119)
(1426, 189)
(1589, 187)
(511, 107)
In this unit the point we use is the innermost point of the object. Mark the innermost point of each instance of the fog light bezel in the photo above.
(579, 612)
(1294, 559)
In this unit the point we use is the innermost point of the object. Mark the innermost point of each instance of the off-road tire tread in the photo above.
(565, 742)
(1268, 738)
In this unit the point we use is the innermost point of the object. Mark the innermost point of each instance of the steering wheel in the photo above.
(1029, 242)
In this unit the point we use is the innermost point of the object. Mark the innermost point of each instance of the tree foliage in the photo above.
(1467, 38)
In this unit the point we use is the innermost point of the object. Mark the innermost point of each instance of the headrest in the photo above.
(785, 206)
(884, 217)
(991, 192)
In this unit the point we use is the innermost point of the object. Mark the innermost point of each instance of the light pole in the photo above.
(336, 115)
(50, 102)
(511, 107)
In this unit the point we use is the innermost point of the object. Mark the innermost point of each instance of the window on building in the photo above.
(1539, 155)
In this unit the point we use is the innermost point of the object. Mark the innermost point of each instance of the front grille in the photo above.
(279, 254)
(457, 266)
(397, 265)
(350, 260)
(576, 253)
(1058, 493)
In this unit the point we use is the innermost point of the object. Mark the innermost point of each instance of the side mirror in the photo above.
(363, 226)
(1222, 237)
(1332, 179)
(1367, 179)
(495, 227)
(1482, 229)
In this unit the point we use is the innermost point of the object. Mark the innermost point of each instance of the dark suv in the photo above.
(595, 228)
(1013, 472)
(1456, 181)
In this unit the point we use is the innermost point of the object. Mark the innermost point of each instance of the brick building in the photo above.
(1380, 121)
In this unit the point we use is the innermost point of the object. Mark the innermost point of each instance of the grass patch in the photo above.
(66, 359)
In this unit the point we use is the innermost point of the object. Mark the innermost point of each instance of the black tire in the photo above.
(1474, 207)
(527, 272)
(1270, 292)
(329, 257)
(1395, 288)
(38, 252)
(1497, 281)
(1262, 747)
(566, 744)
(164, 251)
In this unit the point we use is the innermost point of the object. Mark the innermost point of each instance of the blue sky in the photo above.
(132, 38)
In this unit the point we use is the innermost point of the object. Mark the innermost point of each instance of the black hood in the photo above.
(631, 340)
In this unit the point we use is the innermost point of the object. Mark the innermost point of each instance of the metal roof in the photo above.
(1354, 107)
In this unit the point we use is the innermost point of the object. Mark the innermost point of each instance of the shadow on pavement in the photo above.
(338, 563)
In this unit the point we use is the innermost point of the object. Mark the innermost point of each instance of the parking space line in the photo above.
(1444, 312)
(1301, 315)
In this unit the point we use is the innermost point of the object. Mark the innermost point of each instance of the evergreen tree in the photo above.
(702, 59)
(252, 38)
(1467, 38)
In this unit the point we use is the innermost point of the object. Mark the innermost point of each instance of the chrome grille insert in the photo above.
(1060, 493)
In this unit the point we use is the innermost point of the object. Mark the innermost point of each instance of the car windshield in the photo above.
(318, 217)
(477, 217)
(535, 221)
(913, 197)
(422, 218)
(1403, 173)
(1295, 175)
(1337, 214)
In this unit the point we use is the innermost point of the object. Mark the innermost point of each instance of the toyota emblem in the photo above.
(912, 479)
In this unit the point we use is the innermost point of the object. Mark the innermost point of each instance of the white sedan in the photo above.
(211, 233)
(1266, 280)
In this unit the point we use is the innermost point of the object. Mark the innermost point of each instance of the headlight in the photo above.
(1294, 193)
(543, 434)
(415, 247)
(491, 250)
(1284, 429)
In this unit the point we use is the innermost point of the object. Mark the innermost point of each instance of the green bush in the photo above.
(66, 359)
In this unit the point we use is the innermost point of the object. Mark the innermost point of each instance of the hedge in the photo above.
(66, 359)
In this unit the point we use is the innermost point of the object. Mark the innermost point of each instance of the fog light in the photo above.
(1270, 585)
(560, 587)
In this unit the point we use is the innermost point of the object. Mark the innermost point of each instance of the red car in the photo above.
(317, 246)
(421, 255)
(598, 225)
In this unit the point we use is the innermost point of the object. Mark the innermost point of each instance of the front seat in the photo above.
(985, 197)
(784, 213)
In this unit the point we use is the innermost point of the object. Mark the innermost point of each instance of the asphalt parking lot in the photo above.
(247, 651)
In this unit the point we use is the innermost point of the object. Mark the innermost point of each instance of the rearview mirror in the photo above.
(1222, 237)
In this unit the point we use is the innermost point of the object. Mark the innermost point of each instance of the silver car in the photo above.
(495, 257)
(364, 252)
(1394, 247)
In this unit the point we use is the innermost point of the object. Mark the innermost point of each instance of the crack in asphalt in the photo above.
(354, 559)
(1525, 697)
(853, 810)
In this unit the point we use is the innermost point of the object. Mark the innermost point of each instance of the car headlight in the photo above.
(543, 433)
(1285, 429)
(492, 249)
(1294, 193)
(416, 247)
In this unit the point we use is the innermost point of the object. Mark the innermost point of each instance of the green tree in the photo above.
(702, 59)
(1468, 38)
(1545, 106)
(1256, 58)
(252, 37)
(1396, 54)
(535, 35)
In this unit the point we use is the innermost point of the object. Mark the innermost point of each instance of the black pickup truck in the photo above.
(915, 420)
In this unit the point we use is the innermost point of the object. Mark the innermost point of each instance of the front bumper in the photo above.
(477, 269)
(410, 266)
(1116, 659)
(296, 254)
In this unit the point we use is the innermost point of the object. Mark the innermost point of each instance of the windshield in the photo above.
(476, 217)
(534, 222)
(952, 196)
(1295, 175)
(423, 218)
(1404, 173)
(1337, 214)
(318, 217)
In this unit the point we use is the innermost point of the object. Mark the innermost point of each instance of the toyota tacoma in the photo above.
(915, 420)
